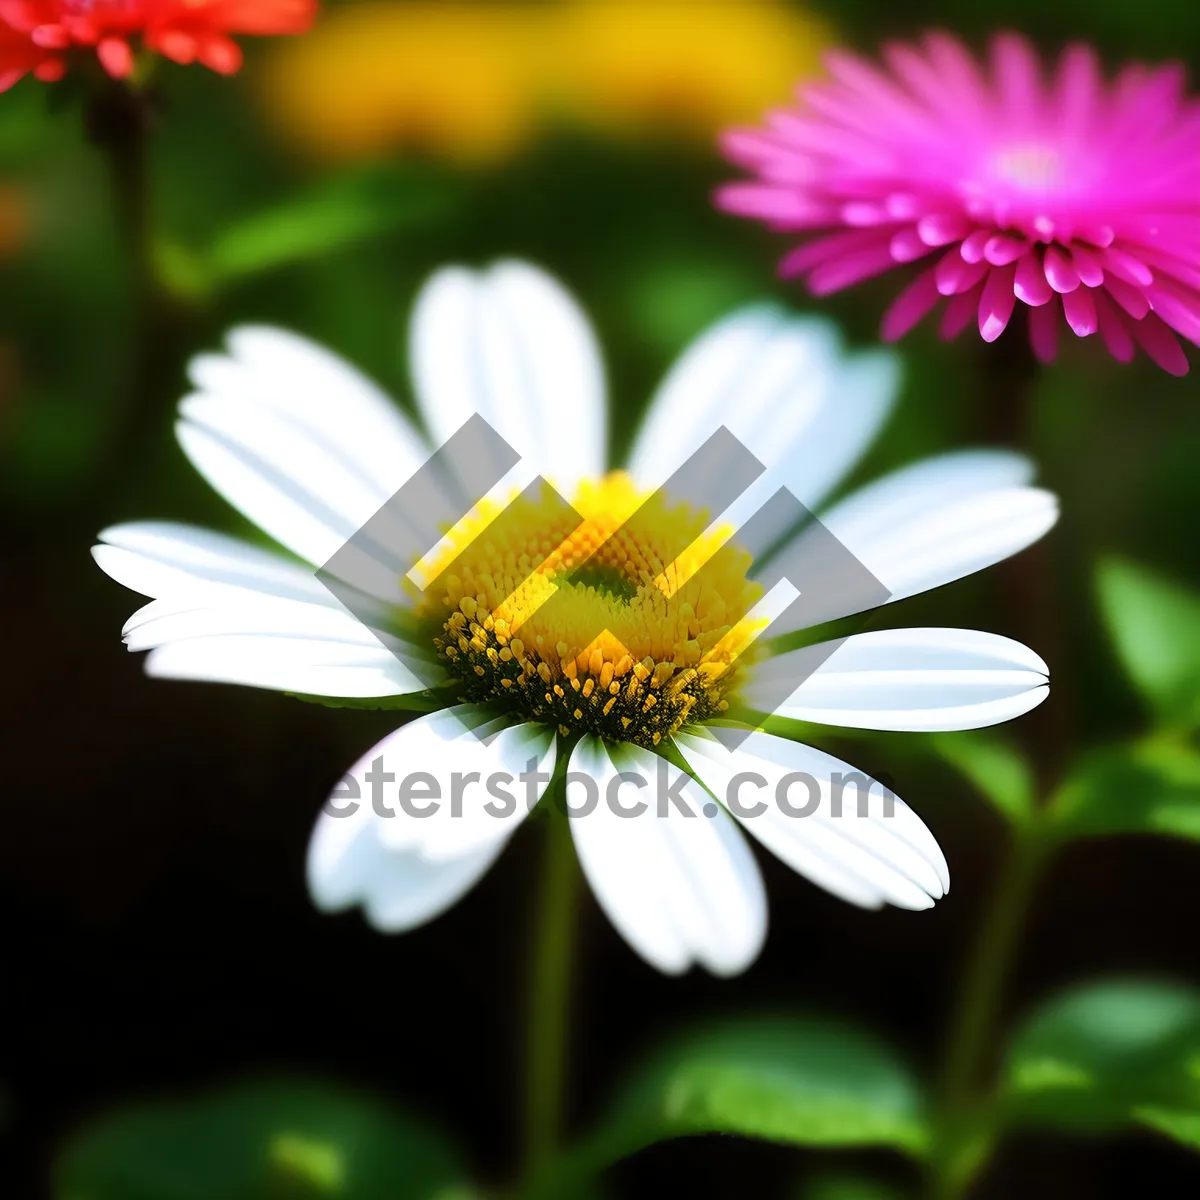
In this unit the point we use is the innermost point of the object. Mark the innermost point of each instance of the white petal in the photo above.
(957, 541)
(680, 889)
(511, 344)
(342, 410)
(926, 487)
(265, 615)
(784, 388)
(914, 551)
(348, 865)
(942, 518)
(208, 584)
(405, 869)
(150, 612)
(884, 855)
(309, 666)
(905, 679)
(295, 496)
(477, 776)
(412, 892)
(298, 441)
(169, 559)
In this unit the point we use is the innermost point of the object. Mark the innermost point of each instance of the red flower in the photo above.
(37, 35)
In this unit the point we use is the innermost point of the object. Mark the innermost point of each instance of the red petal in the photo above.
(220, 54)
(115, 57)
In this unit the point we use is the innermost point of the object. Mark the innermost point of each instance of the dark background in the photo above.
(157, 935)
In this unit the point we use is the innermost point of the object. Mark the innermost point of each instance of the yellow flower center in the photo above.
(628, 624)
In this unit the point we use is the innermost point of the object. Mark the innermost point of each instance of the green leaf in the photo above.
(1155, 626)
(264, 1141)
(1147, 787)
(337, 213)
(1098, 1055)
(995, 767)
(801, 1082)
(842, 1186)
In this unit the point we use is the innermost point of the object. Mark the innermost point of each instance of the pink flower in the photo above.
(1077, 196)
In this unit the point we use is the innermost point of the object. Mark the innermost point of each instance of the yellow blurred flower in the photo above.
(473, 82)
(455, 79)
(688, 65)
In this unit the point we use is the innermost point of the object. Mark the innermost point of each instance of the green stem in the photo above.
(120, 118)
(549, 996)
(966, 1128)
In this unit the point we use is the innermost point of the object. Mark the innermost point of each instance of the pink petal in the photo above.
(956, 65)
(1060, 270)
(955, 276)
(1178, 307)
(1172, 265)
(863, 214)
(864, 79)
(996, 303)
(1087, 263)
(959, 312)
(810, 254)
(903, 207)
(913, 303)
(953, 98)
(1080, 86)
(1030, 283)
(1112, 329)
(1131, 299)
(1144, 101)
(1126, 266)
(1160, 344)
(768, 203)
(906, 246)
(1043, 332)
(1002, 250)
(846, 269)
(1017, 73)
(1095, 235)
(747, 147)
(974, 245)
(940, 229)
(1080, 312)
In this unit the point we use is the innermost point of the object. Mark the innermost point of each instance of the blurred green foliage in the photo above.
(1155, 626)
(244, 232)
(1110, 1053)
(796, 1081)
(290, 1140)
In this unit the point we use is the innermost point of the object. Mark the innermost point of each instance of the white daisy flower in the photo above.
(306, 448)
